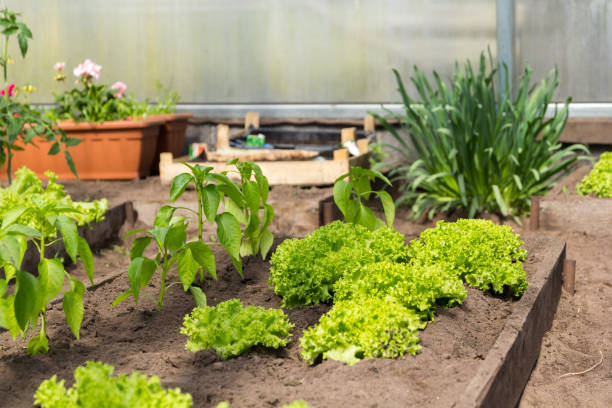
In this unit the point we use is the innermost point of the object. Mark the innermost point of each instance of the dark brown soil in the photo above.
(139, 337)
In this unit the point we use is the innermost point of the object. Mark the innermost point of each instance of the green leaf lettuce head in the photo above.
(231, 329)
(305, 271)
(599, 181)
(487, 256)
(96, 387)
(26, 191)
(363, 328)
(414, 286)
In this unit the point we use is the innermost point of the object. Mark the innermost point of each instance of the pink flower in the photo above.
(16, 114)
(120, 87)
(58, 66)
(10, 91)
(88, 69)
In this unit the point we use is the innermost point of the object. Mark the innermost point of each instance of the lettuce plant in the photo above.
(487, 256)
(47, 217)
(468, 147)
(413, 286)
(95, 386)
(231, 329)
(599, 180)
(348, 196)
(27, 188)
(245, 204)
(305, 271)
(363, 328)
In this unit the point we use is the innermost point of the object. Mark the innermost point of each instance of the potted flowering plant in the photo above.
(22, 127)
(100, 116)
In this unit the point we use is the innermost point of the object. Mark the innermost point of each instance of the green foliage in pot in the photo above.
(599, 181)
(20, 124)
(468, 147)
(242, 229)
(231, 329)
(45, 219)
(89, 102)
(95, 386)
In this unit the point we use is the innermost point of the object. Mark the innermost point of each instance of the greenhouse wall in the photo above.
(291, 56)
(256, 51)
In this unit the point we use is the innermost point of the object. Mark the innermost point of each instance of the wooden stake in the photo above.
(251, 119)
(222, 137)
(534, 217)
(341, 154)
(569, 276)
(130, 214)
(363, 145)
(347, 134)
(369, 125)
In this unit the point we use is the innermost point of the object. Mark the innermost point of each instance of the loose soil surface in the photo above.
(138, 337)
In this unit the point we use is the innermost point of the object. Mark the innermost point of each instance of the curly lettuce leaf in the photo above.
(363, 328)
(231, 329)
(487, 256)
(305, 271)
(95, 386)
(413, 286)
(599, 181)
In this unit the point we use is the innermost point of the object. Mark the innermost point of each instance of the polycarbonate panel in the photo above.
(573, 35)
(253, 51)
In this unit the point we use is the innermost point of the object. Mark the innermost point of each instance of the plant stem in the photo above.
(165, 269)
(200, 207)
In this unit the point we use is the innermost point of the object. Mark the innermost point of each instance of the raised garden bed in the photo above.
(563, 209)
(478, 354)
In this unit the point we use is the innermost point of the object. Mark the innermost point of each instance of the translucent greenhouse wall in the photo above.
(573, 35)
(253, 51)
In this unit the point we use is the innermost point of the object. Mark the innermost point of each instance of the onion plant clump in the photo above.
(599, 181)
(95, 386)
(470, 148)
(231, 329)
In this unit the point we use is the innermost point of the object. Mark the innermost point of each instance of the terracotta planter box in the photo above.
(171, 136)
(112, 150)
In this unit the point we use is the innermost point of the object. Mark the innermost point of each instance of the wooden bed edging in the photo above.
(507, 367)
(562, 209)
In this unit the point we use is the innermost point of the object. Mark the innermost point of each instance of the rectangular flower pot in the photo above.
(171, 136)
(113, 150)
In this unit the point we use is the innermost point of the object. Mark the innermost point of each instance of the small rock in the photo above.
(217, 365)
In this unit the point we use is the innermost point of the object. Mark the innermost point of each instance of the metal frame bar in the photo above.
(576, 110)
(505, 43)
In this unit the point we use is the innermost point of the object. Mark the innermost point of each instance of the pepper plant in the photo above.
(240, 229)
(348, 196)
(23, 296)
(19, 123)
